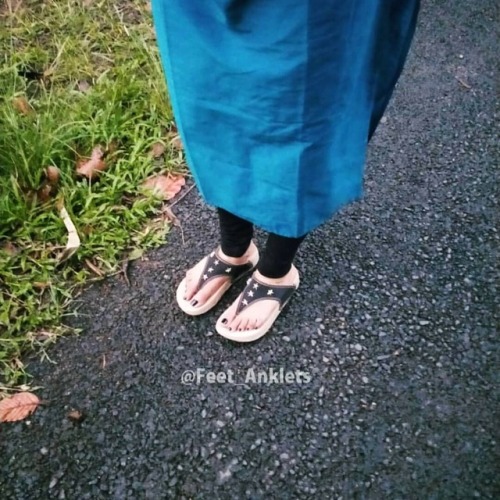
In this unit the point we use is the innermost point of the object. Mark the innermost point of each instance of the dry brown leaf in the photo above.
(41, 284)
(111, 149)
(18, 407)
(165, 186)
(157, 150)
(44, 193)
(83, 86)
(76, 416)
(52, 174)
(177, 142)
(93, 166)
(9, 248)
(93, 268)
(22, 105)
(10, 7)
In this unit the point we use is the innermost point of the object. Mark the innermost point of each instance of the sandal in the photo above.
(256, 290)
(215, 266)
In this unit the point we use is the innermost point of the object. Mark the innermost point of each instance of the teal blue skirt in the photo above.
(276, 101)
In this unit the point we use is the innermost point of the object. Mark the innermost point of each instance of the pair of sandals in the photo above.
(215, 267)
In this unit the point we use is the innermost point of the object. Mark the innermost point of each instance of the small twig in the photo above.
(3, 388)
(176, 221)
(19, 389)
(182, 235)
(124, 271)
(181, 196)
(463, 82)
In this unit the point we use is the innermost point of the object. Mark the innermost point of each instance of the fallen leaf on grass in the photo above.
(49, 186)
(177, 142)
(9, 248)
(83, 86)
(22, 105)
(18, 407)
(41, 284)
(93, 268)
(111, 149)
(52, 174)
(73, 242)
(164, 186)
(44, 193)
(10, 7)
(93, 166)
(157, 150)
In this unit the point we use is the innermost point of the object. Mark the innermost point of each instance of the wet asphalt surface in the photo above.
(394, 325)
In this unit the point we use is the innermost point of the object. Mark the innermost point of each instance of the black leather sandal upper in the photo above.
(217, 267)
(255, 290)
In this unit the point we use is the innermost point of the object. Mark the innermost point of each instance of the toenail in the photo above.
(194, 302)
(224, 321)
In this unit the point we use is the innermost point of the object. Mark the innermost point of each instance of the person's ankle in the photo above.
(238, 260)
(277, 281)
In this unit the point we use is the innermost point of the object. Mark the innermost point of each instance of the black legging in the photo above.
(236, 235)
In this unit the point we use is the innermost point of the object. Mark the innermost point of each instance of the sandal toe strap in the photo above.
(216, 267)
(255, 290)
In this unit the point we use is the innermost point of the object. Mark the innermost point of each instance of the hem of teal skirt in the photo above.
(356, 195)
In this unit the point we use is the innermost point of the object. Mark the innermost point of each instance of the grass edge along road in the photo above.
(76, 77)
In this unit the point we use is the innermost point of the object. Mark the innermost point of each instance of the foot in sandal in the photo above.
(253, 313)
(206, 282)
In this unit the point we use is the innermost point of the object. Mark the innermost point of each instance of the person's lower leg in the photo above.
(278, 255)
(236, 233)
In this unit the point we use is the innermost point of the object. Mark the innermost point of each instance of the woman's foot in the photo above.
(209, 279)
(252, 314)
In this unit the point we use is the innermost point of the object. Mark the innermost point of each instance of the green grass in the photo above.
(91, 75)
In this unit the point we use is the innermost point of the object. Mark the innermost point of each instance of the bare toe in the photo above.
(254, 324)
(244, 324)
(207, 291)
(190, 285)
(235, 324)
